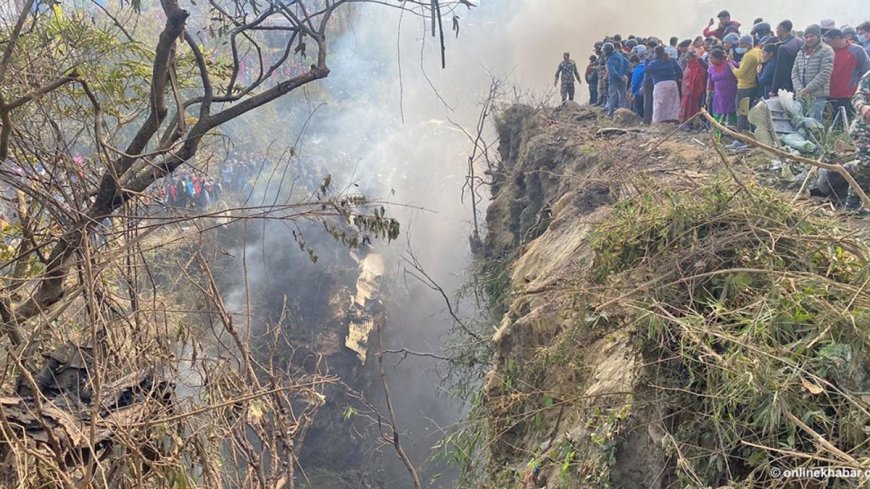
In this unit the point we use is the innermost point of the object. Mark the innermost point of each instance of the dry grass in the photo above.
(754, 316)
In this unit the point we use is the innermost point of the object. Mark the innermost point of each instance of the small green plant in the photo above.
(566, 454)
(496, 281)
(348, 413)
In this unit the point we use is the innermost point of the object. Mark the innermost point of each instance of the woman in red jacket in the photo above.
(694, 84)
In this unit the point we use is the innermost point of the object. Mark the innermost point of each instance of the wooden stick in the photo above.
(786, 155)
(822, 441)
(804, 184)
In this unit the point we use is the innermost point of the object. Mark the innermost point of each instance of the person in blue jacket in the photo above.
(617, 79)
(767, 71)
(666, 76)
(637, 81)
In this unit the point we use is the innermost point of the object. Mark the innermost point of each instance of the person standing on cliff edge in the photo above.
(861, 136)
(567, 71)
(618, 69)
(592, 79)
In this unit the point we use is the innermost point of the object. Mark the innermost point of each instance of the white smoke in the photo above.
(385, 127)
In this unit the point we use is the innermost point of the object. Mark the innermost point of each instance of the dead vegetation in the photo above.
(123, 363)
(754, 317)
(178, 392)
(694, 329)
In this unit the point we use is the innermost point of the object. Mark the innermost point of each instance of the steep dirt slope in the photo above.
(585, 226)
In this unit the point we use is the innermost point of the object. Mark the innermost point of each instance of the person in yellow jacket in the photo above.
(747, 80)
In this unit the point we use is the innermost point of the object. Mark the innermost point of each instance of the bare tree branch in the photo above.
(394, 426)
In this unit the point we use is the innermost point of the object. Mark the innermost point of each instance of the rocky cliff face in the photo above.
(554, 188)
(588, 224)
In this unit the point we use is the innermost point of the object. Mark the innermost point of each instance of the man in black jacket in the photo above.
(789, 47)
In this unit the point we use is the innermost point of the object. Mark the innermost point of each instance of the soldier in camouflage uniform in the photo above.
(829, 183)
(567, 70)
(602, 81)
(861, 137)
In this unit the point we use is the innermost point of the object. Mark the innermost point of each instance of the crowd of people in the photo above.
(728, 69)
(183, 190)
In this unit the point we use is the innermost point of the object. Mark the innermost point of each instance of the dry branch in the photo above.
(788, 156)
(394, 438)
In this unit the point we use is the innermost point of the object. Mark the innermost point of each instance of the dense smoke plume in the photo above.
(382, 122)
(391, 138)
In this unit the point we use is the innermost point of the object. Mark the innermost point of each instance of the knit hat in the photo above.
(761, 28)
(766, 40)
(747, 40)
(731, 39)
(848, 30)
(640, 51)
(813, 30)
(827, 24)
(607, 48)
(631, 43)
